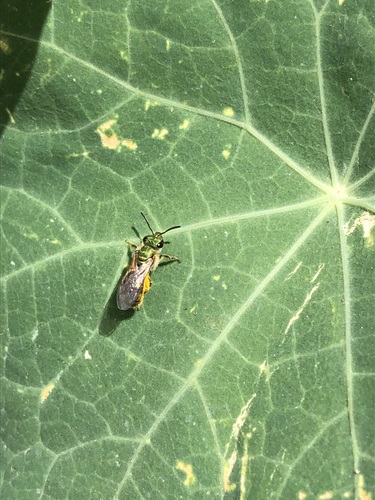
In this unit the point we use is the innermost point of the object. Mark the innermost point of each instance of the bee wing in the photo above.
(131, 286)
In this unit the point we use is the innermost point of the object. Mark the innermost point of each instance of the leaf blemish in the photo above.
(264, 368)
(321, 267)
(149, 104)
(239, 441)
(229, 111)
(300, 310)
(327, 495)
(184, 125)
(111, 140)
(294, 271)
(4, 46)
(46, 391)
(130, 144)
(159, 134)
(364, 493)
(226, 153)
(104, 127)
(188, 470)
(54, 242)
(107, 135)
(11, 117)
(367, 221)
(228, 468)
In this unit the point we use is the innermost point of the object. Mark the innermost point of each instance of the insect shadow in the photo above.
(112, 316)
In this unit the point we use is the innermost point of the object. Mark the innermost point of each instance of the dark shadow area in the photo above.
(21, 26)
(112, 316)
(137, 233)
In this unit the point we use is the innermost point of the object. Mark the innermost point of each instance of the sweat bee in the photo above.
(145, 259)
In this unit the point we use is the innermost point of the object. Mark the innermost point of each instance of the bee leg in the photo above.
(170, 257)
(133, 262)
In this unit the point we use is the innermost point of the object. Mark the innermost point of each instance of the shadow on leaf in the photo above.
(112, 316)
(23, 23)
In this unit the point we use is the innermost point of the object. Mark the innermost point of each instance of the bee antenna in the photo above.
(143, 215)
(170, 229)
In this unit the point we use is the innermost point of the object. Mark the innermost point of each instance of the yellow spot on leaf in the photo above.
(46, 391)
(327, 495)
(228, 468)
(130, 144)
(149, 104)
(81, 15)
(159, 134)
(184, 125)
(106, 125)
(133, 357)
(302, 495)
(87, 355)
(168, 44)
(31, 236)
(226, 153)
(264, 368)
(341, 2)
(11, 117)
(188, 470)
(111, 140)
(228, 112)
(4, 46)
(107, 135)
(216, 277)
(78, 155)
(363, 494)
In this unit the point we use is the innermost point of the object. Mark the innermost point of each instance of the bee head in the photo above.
(155, 240)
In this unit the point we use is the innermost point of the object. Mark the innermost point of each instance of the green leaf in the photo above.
(248, 372)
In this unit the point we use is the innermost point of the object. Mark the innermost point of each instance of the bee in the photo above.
(145, 259)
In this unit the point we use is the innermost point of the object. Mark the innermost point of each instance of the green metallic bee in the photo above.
(145, 259)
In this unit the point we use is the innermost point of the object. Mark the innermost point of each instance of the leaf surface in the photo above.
(249, 370)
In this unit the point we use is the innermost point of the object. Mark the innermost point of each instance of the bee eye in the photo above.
(160, 244)
(145, 239)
